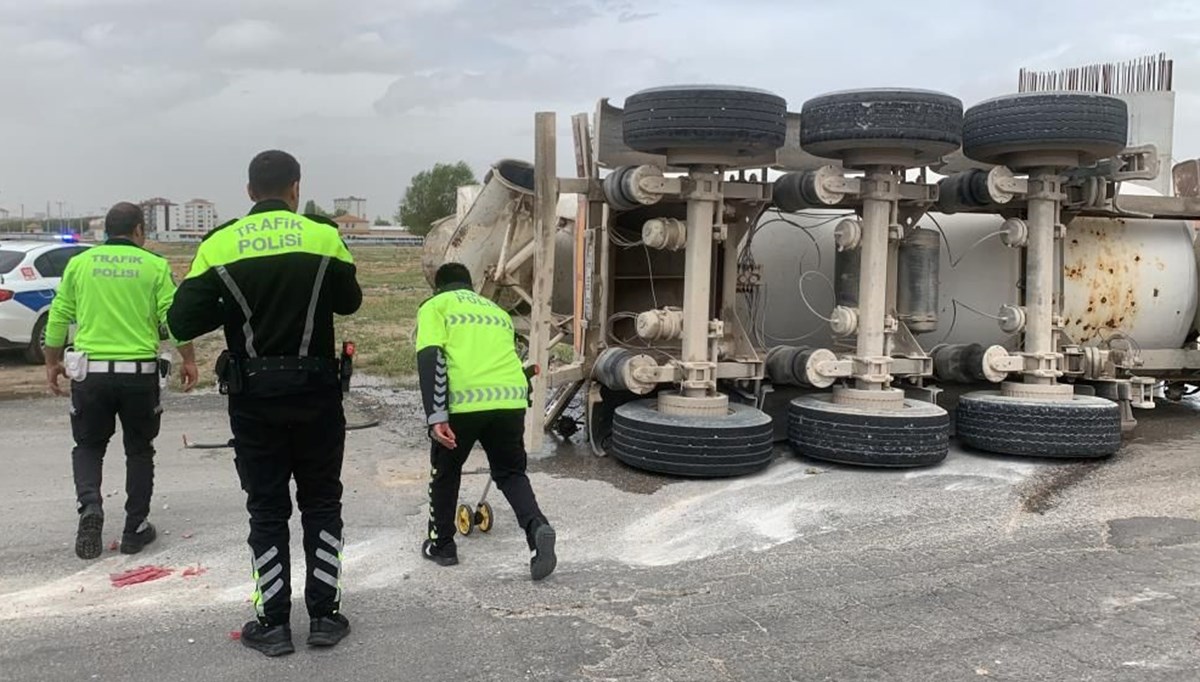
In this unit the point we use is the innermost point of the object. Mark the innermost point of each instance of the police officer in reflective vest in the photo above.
(274, 280)
(475, 390)
(117, 294)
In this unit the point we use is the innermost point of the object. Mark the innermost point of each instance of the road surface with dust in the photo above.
(981, 568)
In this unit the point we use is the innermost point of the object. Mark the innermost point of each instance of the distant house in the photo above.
(352, 205)
(352, 224)
(4, 214)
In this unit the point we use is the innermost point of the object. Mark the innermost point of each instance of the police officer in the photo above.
(475, 390)
(274, 280)
(118, 294)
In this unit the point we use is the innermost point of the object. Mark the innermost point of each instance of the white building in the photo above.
(352, 205)
(4, 214)
(161, 216)
(199, 215)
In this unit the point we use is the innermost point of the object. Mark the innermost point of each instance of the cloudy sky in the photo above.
(102, 100)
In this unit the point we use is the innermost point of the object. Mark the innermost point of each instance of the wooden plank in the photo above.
(545, 220)
(583, 169)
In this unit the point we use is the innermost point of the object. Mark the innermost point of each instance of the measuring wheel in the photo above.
(1077, 426)
(740, 442)
(483, 517)
(913, 435)
(464, 520)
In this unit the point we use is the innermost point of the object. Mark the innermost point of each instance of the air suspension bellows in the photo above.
(917, 280)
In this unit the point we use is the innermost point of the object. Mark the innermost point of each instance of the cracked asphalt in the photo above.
(981, 568)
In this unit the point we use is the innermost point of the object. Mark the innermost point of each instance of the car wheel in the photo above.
(35, 351)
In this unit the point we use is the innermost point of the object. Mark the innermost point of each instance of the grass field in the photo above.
(393, 286)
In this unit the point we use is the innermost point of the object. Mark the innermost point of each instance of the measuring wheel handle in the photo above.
(464, 520)
(484, 517)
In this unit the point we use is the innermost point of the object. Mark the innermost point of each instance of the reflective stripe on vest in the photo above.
(479, 319)
(476, 395)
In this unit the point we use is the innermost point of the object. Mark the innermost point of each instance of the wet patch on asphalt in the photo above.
(1045, 490)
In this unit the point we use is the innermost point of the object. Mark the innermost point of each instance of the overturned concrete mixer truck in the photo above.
(864, 279)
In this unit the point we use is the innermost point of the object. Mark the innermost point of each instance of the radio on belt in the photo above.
(347, 364)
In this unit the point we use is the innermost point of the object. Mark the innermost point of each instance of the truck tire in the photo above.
(926, 124)
(35, 352)
(1082, 427)
(737, 444)
(708, 117)
(1092, 125)
(916, 436)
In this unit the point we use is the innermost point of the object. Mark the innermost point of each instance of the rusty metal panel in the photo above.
(1137, 277)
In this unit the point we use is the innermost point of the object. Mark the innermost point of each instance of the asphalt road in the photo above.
(981, 568)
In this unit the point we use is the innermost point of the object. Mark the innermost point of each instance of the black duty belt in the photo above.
(288, 364)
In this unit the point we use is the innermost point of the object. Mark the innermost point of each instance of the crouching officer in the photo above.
(118, 294)
(274, 281)
(475, 390)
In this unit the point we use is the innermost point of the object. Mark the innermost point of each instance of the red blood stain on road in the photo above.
(113, 546)
(141, 574)
(194, 571)
(234, 635)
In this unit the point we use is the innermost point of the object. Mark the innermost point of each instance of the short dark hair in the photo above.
(272, 172)
(452, 273)
(123, 219)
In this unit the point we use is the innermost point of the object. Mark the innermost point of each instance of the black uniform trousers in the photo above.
(96, 404)
(501, 433)
(276, 439)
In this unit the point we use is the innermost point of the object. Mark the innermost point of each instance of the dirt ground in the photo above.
(19, 379)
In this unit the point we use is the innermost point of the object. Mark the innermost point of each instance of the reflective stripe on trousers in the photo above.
(333, 561)
(267, 579)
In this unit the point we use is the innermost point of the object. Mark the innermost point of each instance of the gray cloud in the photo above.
(108, 99)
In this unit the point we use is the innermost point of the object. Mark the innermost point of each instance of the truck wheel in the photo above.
(922, 125)
(35, 352)
(1091, 125)
(708, 117)
(739, 443)
(1081, 427)
(917, 435)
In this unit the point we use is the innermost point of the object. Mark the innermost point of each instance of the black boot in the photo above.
(132, 543)
(88, 543)
(445, 555)
(541, 539)
(269, 640)
(328, 630)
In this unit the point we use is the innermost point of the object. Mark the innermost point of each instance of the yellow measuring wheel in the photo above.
(483, 516)
(464, 520)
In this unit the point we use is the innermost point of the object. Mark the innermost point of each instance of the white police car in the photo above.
(29, 275)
